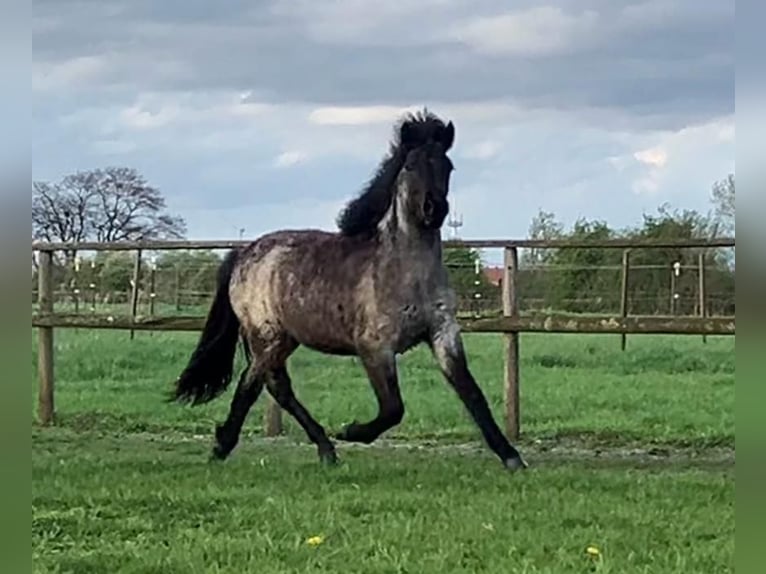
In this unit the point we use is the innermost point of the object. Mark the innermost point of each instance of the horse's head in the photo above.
(422, 185)
(413, 179)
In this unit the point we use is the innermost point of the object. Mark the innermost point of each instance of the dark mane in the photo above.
(362, 214)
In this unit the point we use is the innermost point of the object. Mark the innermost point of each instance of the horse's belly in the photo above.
(341, 349)
(410, 334)
(318, 329)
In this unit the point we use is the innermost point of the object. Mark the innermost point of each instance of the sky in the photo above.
(272, 114)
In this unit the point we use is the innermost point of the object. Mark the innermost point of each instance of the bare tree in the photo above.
(543, 226)
(61, 212)
(111, 204)
(723, 198)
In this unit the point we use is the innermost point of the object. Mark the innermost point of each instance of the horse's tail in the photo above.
(210, 368)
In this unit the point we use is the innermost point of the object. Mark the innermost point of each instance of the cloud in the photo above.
(225, 222)
(364, 23)
(112, 147)
(357, 115)
(482, 150)
(556, 105)
(726, 132)
(135, 117)
(289, 158)
(654, 72)
(655, 157)
(538, 31)
(67, 74)
(677, 152)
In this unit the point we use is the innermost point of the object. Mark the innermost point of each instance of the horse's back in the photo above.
(300, 283)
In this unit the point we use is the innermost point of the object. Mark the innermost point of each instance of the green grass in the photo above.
(122, 483)
(662, 389)
(131, 504)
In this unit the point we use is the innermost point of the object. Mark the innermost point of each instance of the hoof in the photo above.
(347, 432)
(328, 458)
(224, 443)
(215, 457)
(218, 454)
(514, 464)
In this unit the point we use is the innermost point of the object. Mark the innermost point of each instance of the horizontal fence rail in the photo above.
(520, 324)
(511, 323)
(618, 243)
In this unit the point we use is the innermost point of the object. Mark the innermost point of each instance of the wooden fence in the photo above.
(511, 323)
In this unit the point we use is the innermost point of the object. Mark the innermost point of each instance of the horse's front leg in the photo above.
(447, 346)
(381, 370)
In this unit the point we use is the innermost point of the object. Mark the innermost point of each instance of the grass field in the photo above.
(630, 452)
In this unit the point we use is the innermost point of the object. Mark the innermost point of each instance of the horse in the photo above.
(374, 289)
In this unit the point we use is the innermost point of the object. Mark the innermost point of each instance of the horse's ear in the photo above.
(449, 136)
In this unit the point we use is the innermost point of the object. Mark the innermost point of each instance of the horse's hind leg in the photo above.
(281, 389)
(381, 370)
(248, 390)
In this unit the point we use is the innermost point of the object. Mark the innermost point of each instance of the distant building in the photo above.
(494, 275)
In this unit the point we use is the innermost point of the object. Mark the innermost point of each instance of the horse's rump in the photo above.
(303, 283)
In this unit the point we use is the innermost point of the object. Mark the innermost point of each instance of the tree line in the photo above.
(660, 281)
(117, 203)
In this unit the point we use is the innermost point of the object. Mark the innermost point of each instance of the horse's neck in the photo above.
(401, 243)
(395, 230)
(416, 255)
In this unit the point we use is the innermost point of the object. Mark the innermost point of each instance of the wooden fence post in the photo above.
(76, 285)
(92, 286)
(272, 420)
(702, 294)
(673, 300)
(45, 405)
(134, 290)
(152, 286)
(177, 288)
(624, 292)
(511, 309)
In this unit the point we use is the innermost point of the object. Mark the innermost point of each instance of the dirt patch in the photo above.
(539, 451)
(563, 449)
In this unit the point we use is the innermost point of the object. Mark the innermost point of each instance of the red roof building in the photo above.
(494, 275)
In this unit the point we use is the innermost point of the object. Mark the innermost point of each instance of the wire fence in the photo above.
(186, 286)
(117, 287)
